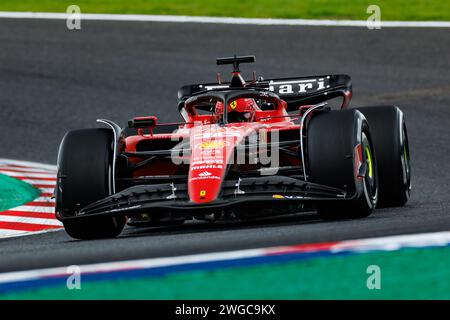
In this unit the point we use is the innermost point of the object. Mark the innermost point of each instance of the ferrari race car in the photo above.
(245, 150)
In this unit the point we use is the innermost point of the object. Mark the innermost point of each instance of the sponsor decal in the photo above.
(207, 161)
(213, 144)
(205, 174)
(297, 86)
(233, 105)
(205, 178)
(279, 196)
(207, 166)
(202, 194)
(294, 197)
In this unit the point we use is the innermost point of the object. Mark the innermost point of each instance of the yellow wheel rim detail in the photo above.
(369, 161)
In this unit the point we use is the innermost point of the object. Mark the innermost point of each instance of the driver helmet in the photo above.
(245, 106)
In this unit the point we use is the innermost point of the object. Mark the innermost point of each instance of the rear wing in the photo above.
(295, 91)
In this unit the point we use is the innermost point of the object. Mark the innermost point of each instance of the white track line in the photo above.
(133, 264)
(393, 243)
(47, 190)
(6, 233)
(5, 169)
(43, 199)
(436, 239)
(223, 20)
(32, 208)
(28, 175)
(27, 163)
(41, 221)
(40, 182)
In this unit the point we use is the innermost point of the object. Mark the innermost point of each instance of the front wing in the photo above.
(148, 199)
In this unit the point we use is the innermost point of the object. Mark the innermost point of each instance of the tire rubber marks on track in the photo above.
(38, 215)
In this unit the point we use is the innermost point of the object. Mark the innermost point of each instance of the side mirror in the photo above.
(141, 123)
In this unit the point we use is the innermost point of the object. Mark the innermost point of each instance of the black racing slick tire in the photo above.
(390, 138)
(339, 142)
(84, 176)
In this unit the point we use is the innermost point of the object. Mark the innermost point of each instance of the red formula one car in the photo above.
(246, 149)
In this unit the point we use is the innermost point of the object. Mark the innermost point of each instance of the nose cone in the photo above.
(212, 149)
(207, 168)
(205, 182)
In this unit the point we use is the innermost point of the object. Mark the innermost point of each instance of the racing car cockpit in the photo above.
(242, 106)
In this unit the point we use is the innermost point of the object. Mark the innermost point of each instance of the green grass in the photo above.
(405, 274)
(14, 192)
(311, 9)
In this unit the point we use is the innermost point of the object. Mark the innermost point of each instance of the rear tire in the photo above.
(332, 143)
(390, 138)
(84, 176)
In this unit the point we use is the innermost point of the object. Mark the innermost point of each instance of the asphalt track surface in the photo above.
(53, 80)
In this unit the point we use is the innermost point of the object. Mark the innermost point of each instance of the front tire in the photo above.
(84, 176)
(336, 142)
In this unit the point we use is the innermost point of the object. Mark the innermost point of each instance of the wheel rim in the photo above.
(369, 161)
(370, 177)
(405, 160)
